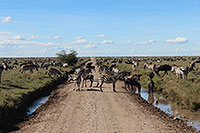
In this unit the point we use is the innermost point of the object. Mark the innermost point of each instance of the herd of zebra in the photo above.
(47, 65)
(110, 74)
(181, 72)
(107, 75)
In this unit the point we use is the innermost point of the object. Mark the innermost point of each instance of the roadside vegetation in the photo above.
(15, 84)
(183, 93)
(70, 58)
(16, 89)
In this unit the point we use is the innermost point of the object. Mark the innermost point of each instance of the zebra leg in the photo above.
(83, 83)
(139, 90)
(74, 86)
(177, 75)
(114, 87)
(91, 82)
(97, 84)
(101, 86)
(79, 88)
(86, 83)
(132, 89)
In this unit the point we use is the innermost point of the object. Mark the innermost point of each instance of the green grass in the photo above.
(185, 93)
(16, 85)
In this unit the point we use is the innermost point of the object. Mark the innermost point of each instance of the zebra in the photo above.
(133, 83)
(181, 72)
(53, 71)
(108, 79)
(164, 68)
(150, 66)
(77, 83)
(86, 77)
(28, 67)
(1, 71)
(151, 86)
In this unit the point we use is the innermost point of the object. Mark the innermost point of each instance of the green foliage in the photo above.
(71, 58)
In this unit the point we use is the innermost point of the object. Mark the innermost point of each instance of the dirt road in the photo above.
(92, 111)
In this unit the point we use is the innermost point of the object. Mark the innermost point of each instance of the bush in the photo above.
(71, 58)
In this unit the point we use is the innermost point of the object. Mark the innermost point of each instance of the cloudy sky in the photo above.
(99, 27)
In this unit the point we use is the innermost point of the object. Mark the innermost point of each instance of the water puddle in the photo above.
(165, 106)
(36, 104)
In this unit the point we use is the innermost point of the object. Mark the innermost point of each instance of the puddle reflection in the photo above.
(165, 106)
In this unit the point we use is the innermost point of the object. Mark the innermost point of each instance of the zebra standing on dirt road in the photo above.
(109, 79)
(77, 83)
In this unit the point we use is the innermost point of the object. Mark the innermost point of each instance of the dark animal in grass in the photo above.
(151, 86)
(132, 84)
(1, 71)
(53, 72)
(150, 75)
(137, 76)
(164, 68)
(28, 67)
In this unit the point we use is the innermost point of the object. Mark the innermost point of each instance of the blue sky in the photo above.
(99, 27)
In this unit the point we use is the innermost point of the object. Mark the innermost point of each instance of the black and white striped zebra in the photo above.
(108, 79)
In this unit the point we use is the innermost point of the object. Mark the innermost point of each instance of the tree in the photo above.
(71, 58)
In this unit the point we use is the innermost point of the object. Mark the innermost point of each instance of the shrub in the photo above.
(71, 58)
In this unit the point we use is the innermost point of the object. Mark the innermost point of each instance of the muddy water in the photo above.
(193, 119)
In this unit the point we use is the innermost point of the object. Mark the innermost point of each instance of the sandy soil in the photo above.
(92, 111)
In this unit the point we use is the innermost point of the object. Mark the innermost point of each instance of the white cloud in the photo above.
(144, 43)
(127, 41)
(152, 41)
(181, 49)
(34, 37)
(79, 37)
(18, 37)
(43, 51)
(89, 46)
(198, 43)
(100, 36)
(81, 41)
(178, 40)
(5, 33)
(57, 37)
(107, 42)
(8, 20)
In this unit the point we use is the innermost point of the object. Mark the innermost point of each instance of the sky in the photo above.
(42, 28)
